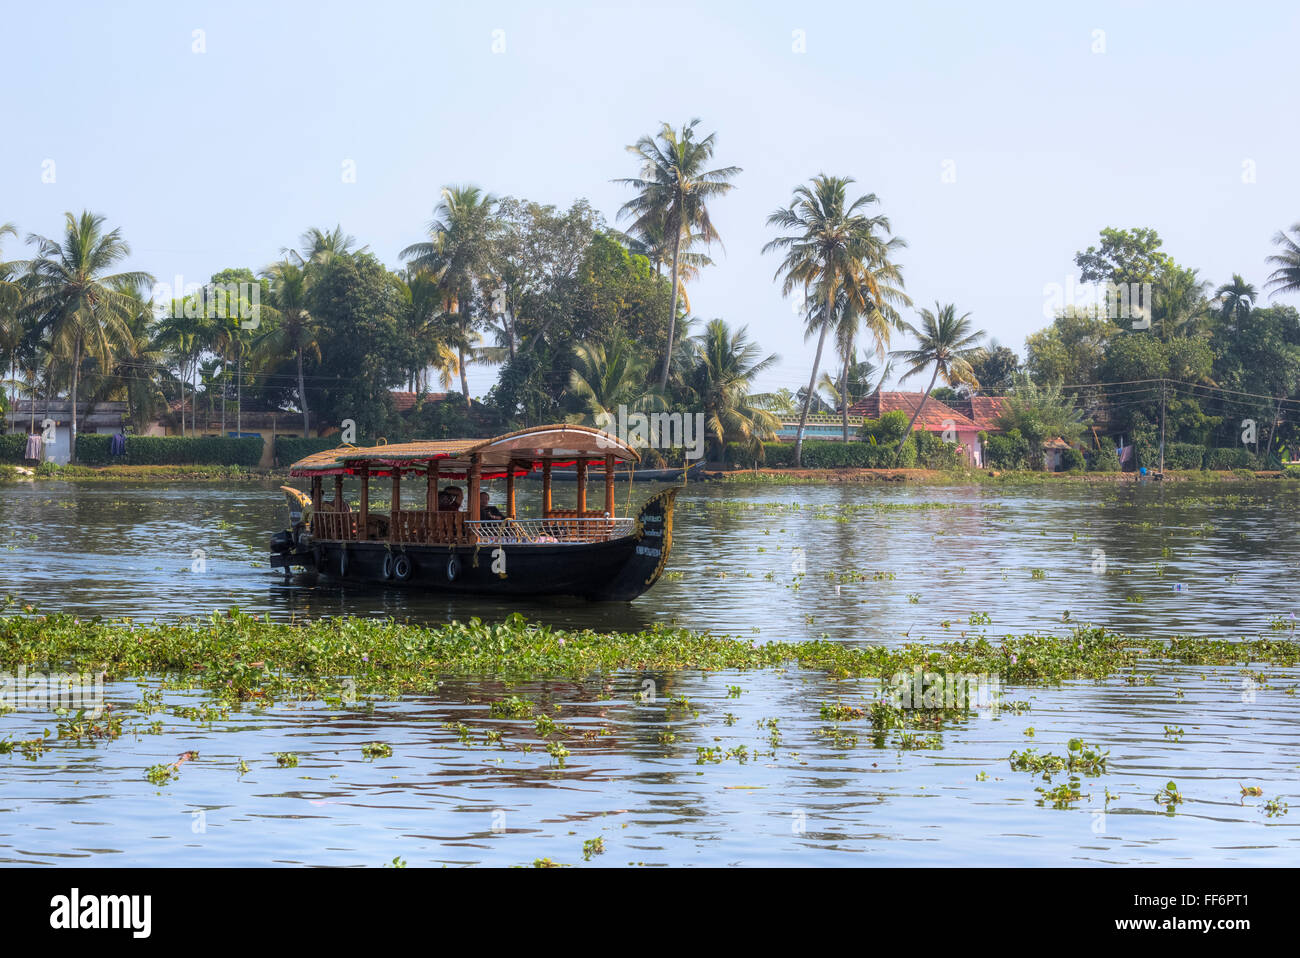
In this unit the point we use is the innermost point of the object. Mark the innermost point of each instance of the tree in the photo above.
(77, 300)
(1286, 278)
(1124, 257)
(994, 368)
(1072, 349)
(291, 328)
(1236, 299)
(945, 341)
(673, 194)
(456, 256)
(836, 250)
(726, 363)
(1040, 413)
(13, 331)
(611, 373)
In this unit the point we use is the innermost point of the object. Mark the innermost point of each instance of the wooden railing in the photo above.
(421, 527)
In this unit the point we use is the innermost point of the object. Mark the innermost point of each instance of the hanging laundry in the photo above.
(117, 445)
(35, 447)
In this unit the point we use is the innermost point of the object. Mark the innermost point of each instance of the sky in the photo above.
(1000, 138)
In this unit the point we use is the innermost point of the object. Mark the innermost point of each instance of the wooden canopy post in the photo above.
(363, 521)
(431, 495)
(395, 508)
(510, 489)
(317, 496)
(582, 486)
(546, 488)
(475, 476)
(338, 494)
(609, 485)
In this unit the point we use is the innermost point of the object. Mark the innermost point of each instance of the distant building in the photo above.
(52, 420)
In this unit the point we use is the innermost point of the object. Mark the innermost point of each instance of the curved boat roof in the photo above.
(519, 452)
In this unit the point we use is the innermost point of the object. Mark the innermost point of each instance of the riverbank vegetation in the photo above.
(581, 318)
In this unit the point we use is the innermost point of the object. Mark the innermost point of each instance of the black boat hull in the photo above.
(617, 570)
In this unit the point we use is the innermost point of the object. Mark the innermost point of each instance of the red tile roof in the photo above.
(985, 410)
(405, 401)
(935, 416)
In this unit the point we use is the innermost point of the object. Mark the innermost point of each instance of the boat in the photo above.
(693, 471)
(586, 553)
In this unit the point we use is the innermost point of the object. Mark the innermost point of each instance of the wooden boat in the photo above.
(592, 554)
(636, 475)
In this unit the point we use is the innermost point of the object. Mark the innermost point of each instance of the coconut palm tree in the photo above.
(945, 341)
(1286, 278)
(456, 256)
(320, 246)
(726, 363)
(835, 250)
(672, 201)
(292, 329)
(13, 331)
(1236, 299)
(76, 299)
(612, 373)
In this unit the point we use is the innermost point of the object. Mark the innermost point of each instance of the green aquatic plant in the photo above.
(513, 707)
(1169, 796)
(376, 750)
(286, 759)
(593, 846)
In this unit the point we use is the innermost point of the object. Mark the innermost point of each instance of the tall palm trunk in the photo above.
(464, 382)
(844, 395)
(672, 312)
(919, 406)
(302, 394)
(812, 382)
(76, 369)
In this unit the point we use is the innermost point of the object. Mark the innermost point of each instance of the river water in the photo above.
(876, 564)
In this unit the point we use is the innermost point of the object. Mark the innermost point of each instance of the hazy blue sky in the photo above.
(221, 158)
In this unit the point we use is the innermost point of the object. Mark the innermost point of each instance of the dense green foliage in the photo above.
(93, 450)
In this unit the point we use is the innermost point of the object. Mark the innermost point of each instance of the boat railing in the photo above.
(552, 529)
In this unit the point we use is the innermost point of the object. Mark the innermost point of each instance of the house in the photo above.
(936, 416)
(52, 419)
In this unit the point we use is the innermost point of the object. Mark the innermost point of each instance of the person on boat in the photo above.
(486, 510)
(450, 498)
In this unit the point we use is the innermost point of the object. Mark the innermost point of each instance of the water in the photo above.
(883, 564)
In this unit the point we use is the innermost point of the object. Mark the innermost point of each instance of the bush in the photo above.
(289, 449)
(1105, 459)
(932, 452)
(886, 430)
(1183, 455)
(1072, 460)
(12, 447)
(1234, 457)
(92, 450)
(1005, 451)
(825, 454)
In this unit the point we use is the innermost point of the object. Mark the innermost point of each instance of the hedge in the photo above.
(92, 450)
(1183, 455)
(12, 447)
(826, 454)
(289, 449)
(1105, 459)
(1233, 457)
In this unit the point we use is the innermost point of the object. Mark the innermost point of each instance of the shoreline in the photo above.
(764, 476)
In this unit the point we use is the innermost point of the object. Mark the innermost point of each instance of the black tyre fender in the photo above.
(388, 565)
(402, 568)
(343, 562)
(453, 568)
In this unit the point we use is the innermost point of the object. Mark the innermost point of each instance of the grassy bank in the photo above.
(241, 658)
(977, 476)
(189, 473)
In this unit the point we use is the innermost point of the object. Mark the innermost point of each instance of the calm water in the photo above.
(881, 564)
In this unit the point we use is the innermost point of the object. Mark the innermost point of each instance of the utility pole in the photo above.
(1162, 427)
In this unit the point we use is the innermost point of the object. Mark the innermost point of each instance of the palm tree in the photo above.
(439, 343)
(835, 254)
(1236, 300)
(292, 331)
(722, 377)
(673, 194)
(77, 301)
(1286, 278)
(945, 340)
(323, 246)
(456, 256)
(12, 329)
(1181, 303)
(611, 373)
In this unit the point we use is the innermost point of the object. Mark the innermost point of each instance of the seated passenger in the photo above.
(449, 499)
(486, 510)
